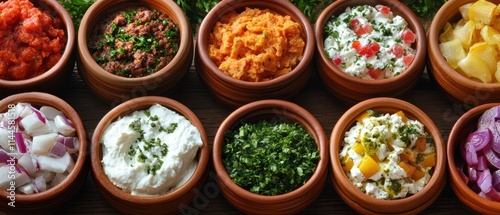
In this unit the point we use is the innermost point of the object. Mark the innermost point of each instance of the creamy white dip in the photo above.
(382, 131)
(150, 152)
(367, 25)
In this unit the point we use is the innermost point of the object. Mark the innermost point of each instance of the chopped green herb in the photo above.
(270, 158)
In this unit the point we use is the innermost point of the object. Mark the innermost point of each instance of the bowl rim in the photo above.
(462, 191)
(54, 8)
(39, 99)
(125, 108)
(347, 120)
(224, 7)
(103, 6)
(420, 49)
(269, 104)
(434, 52)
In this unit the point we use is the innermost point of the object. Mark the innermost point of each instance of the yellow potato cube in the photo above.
(482, 13)
(358, 148)
(368, 166)
(464, 11)
(487, 53)
(474, 67)
(447, 34)
(453, 52)
(465, 33)
(497, 73)
(490, 35)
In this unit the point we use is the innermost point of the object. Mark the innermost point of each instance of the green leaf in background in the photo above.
(76, 9)
(424, 8)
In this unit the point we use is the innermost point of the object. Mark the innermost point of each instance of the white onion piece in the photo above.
(64, 126)
(26, 189)
(43, 143)
(25, 111)
(33, 125)
(1, 120)
(28, 163)
(40, 183)
(58, 150)
(22, 178)
(52, 164)
(48, 176)
(50, 112)
(4, 138)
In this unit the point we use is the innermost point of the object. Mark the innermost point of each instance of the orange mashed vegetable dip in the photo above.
(256, 45)
(31, 40)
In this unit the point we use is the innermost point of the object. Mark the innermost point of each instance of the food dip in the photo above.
(135, 42)
(388, 156)
(256, 45)
(369, 42)
(32, 40)
(150, 152)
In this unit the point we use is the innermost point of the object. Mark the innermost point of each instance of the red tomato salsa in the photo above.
(31, 40)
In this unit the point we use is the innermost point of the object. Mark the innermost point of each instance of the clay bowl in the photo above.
(465, 125)
(116, 89)
(365, 204)
(287, 203)
(42, 202)
(455, 86)
(55, 77)
(234, 92)
(168, 203)
(350, 89)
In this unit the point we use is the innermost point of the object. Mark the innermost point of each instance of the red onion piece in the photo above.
(489, 117)
(479, 138)
(492, 157)
(5, 157)
(482, 163)
(21, 146)
(473, 174)
(58, 150)
(495, 176)
(484, 180)
(495, 143)
(471, 155)
(40, 115)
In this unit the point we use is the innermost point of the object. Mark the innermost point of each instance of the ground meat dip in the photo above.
(134, 42)
(31, 40)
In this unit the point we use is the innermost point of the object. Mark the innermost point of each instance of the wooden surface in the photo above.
(314, 97)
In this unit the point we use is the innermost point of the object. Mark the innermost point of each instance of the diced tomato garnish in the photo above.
(354, 24)
(408, 36)
(374, 73)
(356, 45)
(374, 47)
(408, 59)
(384, 10)
(337, 59)
(397, 50)
(367, 28)
(367, 52)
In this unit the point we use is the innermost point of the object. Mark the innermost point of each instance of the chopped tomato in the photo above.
(408, 36)
(408, 59)
(354, 24)
(397, 50)
(366, 51)
(356, 45)
(384, 10)
(337, 59)
(374, 47)
(367, 28)
(374, 73)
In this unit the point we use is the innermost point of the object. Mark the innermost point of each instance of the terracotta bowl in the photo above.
(465, 125)
(116, 89)
(287, 203)
(456, 87)
(168, 203)
(350, 89)
(365, 204)
(234, 92)
(57, 195)
(55, 77)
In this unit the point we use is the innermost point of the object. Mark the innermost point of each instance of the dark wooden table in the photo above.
(314, 97)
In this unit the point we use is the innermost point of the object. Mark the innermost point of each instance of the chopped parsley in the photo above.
(270, 158)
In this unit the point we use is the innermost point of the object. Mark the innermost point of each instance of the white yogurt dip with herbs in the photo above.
(150, 152)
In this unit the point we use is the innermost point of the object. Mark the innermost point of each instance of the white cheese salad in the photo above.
(369, 42)
(388, 156)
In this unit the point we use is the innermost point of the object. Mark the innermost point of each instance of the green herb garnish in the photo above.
(270, 158)
(76, 9)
